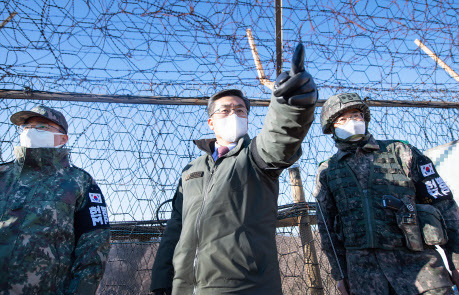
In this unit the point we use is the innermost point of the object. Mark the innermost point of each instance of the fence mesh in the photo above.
(193, 49)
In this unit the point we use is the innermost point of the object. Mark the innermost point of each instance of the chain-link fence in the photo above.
(187, 50)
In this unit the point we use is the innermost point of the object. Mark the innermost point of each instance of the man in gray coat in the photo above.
(221, 236)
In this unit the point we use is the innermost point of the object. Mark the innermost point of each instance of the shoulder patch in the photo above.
(94, 214)
(430, 188)
(95, 195)
(427, 169)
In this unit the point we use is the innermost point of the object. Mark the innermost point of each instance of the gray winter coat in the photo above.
(223, 223)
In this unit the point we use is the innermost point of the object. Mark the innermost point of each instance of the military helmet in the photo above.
(336, 105)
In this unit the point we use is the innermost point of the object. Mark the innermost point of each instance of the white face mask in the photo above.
(32, 138)
(350, 129)
(230, 128)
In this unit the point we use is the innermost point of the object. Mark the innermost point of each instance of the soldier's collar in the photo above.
(42, 157)
(371, 144)
(208, 145)
(368, 144)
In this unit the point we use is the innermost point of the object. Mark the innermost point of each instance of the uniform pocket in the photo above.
(433, 226)
(192, 182)
(192, 192)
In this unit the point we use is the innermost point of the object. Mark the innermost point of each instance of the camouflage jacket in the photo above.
(54, 232)
(412, 161)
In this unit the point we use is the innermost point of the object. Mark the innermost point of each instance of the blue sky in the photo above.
(194, 48)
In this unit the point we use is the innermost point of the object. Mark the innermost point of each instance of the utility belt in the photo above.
(421, 224)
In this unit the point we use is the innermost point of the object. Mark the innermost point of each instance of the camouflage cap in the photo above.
(226, 92)
(42, 111)
(337, 105)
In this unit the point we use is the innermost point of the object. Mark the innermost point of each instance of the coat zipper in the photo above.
(198, 223)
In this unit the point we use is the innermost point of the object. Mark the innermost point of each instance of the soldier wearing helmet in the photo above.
(377, 199)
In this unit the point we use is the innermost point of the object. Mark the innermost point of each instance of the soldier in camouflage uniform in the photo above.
(54, 229)
(362, 235)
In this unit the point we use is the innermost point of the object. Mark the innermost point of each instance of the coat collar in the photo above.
(208, 145)
(53, 158)
(368, 145)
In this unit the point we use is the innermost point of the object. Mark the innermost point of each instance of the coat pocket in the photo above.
(432, 224)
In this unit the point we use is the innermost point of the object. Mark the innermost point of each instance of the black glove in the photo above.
(297, 86)
(163, 291)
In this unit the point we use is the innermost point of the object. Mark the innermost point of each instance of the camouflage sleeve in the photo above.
(92, 241)
(327, 211)
(163, 271)
(431, 189)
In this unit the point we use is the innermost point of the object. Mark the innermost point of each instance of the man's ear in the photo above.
(210, 122)
(60, 139)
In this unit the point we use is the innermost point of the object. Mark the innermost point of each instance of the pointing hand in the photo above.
(297, 86)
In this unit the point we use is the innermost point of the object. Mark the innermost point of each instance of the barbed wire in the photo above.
(191, 49)
(175, 47)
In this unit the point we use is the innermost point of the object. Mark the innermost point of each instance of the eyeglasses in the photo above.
(40, 127)
(357, 116)
(225, 111)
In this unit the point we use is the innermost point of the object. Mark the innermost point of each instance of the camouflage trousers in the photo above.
(401, 272)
